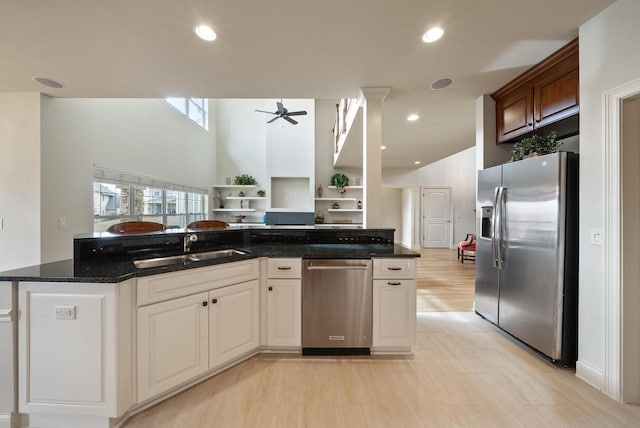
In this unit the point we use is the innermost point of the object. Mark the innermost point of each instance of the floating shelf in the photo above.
(345, 210)
(335, 199)
(234, 186)
(346, 187)
(252, 198)
(244, 210)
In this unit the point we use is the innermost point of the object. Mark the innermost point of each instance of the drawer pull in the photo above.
(204, 303)
(214, 301)
(394, 283)
(270, 288)
(284, 267)
(394, 268)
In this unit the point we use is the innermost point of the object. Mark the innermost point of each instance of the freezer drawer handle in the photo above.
(394, 268)
(394, 283)
(284, 267)
(356, 267)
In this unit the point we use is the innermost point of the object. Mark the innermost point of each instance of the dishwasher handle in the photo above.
(338, 267)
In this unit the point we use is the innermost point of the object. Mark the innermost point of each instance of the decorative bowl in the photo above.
(238, 218)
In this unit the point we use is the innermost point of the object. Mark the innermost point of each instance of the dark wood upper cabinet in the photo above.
(545, 94)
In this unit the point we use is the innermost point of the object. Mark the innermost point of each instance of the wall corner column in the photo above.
(371, 99)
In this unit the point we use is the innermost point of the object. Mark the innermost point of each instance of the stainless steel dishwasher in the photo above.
(336, 306)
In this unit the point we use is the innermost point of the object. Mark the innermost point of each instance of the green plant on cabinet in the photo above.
(534, 145)
(244, 180)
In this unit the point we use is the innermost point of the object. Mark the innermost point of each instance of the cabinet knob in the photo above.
(204, 303)
(214, 301)
(270, 288)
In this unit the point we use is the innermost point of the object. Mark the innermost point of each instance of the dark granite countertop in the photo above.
(120, 269)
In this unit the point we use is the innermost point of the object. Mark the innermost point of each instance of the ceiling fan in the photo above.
(282, 112)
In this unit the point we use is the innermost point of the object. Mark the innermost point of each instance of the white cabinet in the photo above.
(75, 352)
(194, 321)
(394, 308)
(284, 302)
(234, 324)
(394, 304)
(173, 343)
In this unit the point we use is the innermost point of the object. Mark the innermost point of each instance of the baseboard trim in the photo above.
(590, 375)
(8, 420)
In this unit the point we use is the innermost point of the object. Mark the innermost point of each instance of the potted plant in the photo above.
(340, 181)
(244, 180)
(535, 145)
(261, 193)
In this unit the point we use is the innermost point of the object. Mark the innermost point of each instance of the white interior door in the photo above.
(436, 217)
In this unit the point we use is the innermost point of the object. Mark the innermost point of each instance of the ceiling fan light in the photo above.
(205, 33)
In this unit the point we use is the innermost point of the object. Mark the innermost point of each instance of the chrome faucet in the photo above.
(188, 239)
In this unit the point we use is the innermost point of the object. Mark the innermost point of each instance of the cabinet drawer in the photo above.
(284, 268)
(158, 288)
(397, 268)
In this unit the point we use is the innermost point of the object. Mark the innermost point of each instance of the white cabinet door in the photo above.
(394, 313)
(284, 315)
(173, 340)
(233, 322)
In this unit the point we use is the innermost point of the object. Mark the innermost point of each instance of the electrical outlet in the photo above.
(65, 312)
(62, 222)
(1, 223)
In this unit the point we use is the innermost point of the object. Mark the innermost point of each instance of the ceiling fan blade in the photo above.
(263, 111)
(281, 108)
(277, 117)
(288, 119)
(297, 113)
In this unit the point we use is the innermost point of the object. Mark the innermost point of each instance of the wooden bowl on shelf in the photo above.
(237, 218)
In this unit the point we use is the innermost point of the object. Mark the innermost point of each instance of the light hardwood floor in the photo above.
(465, 373)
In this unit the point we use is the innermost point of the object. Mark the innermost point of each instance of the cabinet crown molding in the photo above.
(559, 55)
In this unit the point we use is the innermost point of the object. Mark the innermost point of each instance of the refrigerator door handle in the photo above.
(501, 202)
(494, 222)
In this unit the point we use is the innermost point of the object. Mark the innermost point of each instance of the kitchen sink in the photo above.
(216, 254)
(185, 258)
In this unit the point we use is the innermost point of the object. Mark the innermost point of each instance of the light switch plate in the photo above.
(62, 222)
(596, 236)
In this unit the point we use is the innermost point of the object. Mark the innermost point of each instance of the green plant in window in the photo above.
(244, 180)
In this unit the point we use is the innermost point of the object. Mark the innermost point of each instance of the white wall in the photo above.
(457, 171)
(19, 180)
(393, 211)
(143, 136)
(608, 46)
(407, 179)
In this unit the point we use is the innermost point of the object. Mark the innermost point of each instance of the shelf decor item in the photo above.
(336, 206)
(244, 180)
(359, 205)
(319, 190)
(340, 181)
(535, 145)
(319, 217)
(261, 193)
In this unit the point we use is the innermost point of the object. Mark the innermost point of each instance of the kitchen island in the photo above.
(100, 339)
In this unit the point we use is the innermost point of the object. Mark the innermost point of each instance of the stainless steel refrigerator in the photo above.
(527, 252)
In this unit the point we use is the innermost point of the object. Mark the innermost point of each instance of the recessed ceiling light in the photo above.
(413, 117)
(441, 83)
(47, 82)
(417, 163)
(432, 35)
(383, 147)
(205, 33)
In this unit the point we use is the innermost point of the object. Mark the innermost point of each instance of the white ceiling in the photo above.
(293, 49)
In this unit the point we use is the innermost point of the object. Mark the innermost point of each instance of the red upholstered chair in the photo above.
(466, 247)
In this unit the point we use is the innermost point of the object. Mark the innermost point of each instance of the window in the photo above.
(120, 197)
(195, 109)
